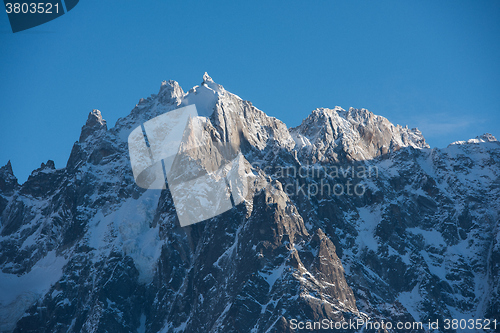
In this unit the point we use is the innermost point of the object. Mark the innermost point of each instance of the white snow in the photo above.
(204, 97)
(128, 228)
(431, 237)
(142, 327)
(272, 276)
(17, 293)
(368, 221)
(410, 301)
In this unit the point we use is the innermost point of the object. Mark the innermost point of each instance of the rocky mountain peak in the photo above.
(170, 92)
(7, 169)
(209, 83)
(486, 137)
(44, 168)
(49, 165)
(8, 182)
(95, 123)
(207, 78)
(338, 135)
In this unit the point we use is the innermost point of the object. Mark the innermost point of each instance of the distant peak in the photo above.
(8, 182)
(487, 137)
(209, 83)
(170, 92)
(94, 123)
(50, 165)
(356, 134)
(207, 78)
(168, 84)
(7, 168)
(95, 116)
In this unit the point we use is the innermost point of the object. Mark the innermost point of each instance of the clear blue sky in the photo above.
(429, 64)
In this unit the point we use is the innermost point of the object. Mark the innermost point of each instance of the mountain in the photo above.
(347, 217)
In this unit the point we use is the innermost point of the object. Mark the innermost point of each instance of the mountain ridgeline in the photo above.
(367, 223)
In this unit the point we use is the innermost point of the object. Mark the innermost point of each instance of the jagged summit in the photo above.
(7, 168)
(328, 134)
(94, 123)
(49, 165)
(95, 117)
(486, 137)
(207, 78)
(170, 92)
(8, 182)
(214, 87)
(358, 134)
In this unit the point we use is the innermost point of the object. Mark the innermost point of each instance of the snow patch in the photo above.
(129, 228)
(18, 293)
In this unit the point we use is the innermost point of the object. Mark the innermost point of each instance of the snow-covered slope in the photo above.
(83, 249)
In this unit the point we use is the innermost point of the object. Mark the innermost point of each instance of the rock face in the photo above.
(339, 135)
(94, 123)
(83, 249)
